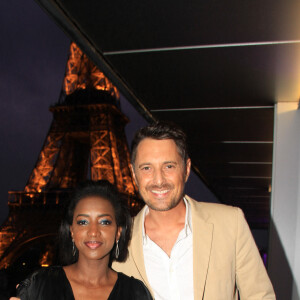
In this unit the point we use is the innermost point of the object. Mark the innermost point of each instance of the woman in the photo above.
(95, 232)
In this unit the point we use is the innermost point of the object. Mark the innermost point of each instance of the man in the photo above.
(180, 248)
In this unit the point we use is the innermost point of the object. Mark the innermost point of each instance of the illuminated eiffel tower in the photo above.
(86, 140)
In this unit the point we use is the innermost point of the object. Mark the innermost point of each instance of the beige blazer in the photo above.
(225, 255)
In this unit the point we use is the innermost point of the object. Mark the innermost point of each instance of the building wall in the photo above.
(284, 246)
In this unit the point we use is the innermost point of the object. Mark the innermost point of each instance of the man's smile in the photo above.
(160, 192)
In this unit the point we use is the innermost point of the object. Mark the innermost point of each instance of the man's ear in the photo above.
(187, 169)
(133, 173)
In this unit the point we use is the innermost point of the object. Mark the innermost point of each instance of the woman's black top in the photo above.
(52, 283)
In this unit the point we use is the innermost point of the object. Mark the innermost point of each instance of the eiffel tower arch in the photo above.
(86, 140)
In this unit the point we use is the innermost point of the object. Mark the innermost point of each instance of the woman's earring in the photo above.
(117, 250)
(73, 248)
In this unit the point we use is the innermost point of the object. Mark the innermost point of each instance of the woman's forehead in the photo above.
(94, 203)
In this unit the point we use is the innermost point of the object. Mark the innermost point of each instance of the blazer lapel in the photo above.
(137, 247)
(202, 242)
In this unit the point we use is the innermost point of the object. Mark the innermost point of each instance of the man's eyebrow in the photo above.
(165, 162)
(144, 164)
(171, 162)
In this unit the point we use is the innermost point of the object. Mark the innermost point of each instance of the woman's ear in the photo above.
(118, 235)
(71, 231)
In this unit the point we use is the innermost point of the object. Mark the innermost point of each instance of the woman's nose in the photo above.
(93, 230)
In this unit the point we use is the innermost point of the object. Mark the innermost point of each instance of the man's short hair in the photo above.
(161, 131)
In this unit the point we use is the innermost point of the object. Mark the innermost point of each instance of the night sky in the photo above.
(33, 56)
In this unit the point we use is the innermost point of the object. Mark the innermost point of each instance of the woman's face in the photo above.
(94, 228)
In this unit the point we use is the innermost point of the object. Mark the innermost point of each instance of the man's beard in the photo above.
(173, 202)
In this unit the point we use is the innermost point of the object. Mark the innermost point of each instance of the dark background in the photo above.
(33, 56)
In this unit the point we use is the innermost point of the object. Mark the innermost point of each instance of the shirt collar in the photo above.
(187, 224)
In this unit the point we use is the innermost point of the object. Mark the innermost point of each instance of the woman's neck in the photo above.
(92, 272)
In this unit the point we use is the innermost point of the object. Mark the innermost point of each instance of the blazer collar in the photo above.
(137, 247)
(202, 242)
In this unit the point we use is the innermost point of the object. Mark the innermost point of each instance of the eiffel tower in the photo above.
(86, 140)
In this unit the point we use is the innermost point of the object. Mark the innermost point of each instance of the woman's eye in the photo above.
(105, 222)
(82, 222)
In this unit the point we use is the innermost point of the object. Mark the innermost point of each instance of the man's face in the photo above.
(160, 173)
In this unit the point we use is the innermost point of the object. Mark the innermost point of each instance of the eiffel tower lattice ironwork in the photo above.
(86, 140)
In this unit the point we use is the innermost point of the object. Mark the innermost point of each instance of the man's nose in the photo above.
(158, 177)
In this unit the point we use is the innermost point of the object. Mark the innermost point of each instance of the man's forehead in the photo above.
(148, 142)
(157, 148)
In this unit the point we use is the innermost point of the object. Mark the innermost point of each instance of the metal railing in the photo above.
(21, 198)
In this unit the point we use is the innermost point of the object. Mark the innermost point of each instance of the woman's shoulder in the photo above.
(40, 280)
(48, 272)
(135, 287)
(129, 279)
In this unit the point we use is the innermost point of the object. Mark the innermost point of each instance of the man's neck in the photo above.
(163, 227)
(168, 218)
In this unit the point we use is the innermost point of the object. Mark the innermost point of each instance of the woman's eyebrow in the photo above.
(82, 215)
(105, 215)
(101, 215)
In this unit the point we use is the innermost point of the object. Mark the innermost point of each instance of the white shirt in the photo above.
(171, 278)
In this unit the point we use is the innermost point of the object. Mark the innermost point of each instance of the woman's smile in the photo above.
(93, 244)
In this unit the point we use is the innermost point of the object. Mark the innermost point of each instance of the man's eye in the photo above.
(169, 166)
(82, 222)
(105, 222)
(146, 168)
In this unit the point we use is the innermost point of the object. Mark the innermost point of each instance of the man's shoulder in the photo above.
(225, 219)
(209, 210)
(211, 205)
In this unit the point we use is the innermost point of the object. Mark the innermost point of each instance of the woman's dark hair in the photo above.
(161, 131)
(106, 190)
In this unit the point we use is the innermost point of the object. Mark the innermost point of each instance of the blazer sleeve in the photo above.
(251, 276)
